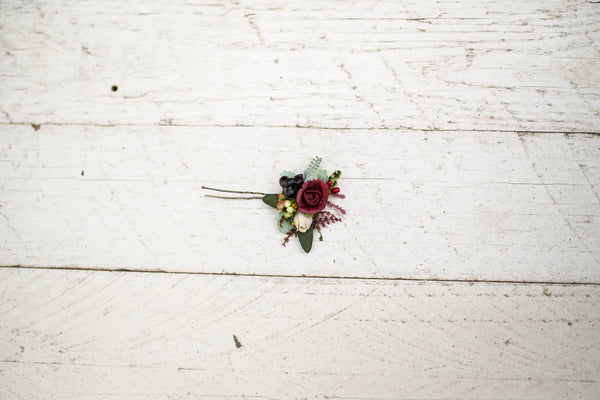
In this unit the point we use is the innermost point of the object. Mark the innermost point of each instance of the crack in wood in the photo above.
(250, 17)
(359, 96)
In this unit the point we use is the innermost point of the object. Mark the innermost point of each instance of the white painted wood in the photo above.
(443, 205)
(119, 335)
(466, 65)
(214, 93)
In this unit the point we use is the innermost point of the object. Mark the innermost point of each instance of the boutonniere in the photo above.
(302, 204)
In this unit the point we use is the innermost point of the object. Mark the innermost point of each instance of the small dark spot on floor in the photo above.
(114, 88)
(547, 292)
(35, 127)
(82, 173)
(570, 323)
(237, 342)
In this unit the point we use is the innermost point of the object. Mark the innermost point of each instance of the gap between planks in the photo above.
(289, 276)
(37, 126)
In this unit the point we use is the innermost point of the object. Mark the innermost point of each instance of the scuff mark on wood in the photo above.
(250, 18)
(237, 342)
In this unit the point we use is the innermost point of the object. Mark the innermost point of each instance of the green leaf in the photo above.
(289, 174)
(317, 174)
(271, 199)
(284, 226)
(306, 239)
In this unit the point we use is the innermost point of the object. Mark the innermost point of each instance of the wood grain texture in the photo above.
(444, 205)
(425, 65)
(450, 120)
(119, 335)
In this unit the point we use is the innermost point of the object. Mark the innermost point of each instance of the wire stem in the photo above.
(233, 191)
(234, 198)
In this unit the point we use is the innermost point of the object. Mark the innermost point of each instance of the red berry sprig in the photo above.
(333, 181)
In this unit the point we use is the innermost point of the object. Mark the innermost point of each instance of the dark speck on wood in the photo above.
(237, 342)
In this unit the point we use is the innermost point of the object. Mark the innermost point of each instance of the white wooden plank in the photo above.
(462, 64)
(89, 335)
(445, 205)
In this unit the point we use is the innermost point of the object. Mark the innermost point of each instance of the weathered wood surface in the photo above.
(122, 335)
(466, 64)
(450, 121)
(446, 205)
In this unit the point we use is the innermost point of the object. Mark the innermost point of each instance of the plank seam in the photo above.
(286, 276)
(298, 126)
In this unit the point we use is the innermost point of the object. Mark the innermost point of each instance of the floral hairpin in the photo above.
(301, 204)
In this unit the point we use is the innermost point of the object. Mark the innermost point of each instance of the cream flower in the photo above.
(302, 221)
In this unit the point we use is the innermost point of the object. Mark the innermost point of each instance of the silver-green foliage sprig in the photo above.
(313, 170)
(314, 165)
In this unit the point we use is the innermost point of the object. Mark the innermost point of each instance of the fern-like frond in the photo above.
(314, 165)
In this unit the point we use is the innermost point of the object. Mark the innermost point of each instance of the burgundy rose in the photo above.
(312, 196)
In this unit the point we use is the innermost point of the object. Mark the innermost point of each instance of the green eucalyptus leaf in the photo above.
(289, 174)
(306, 239)
(284, 226)
(317, 174)
(271, 199)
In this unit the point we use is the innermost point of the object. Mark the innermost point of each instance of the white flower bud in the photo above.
(302, 221)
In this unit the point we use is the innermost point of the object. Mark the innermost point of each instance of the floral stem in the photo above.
(233, 191)
(232, 197)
